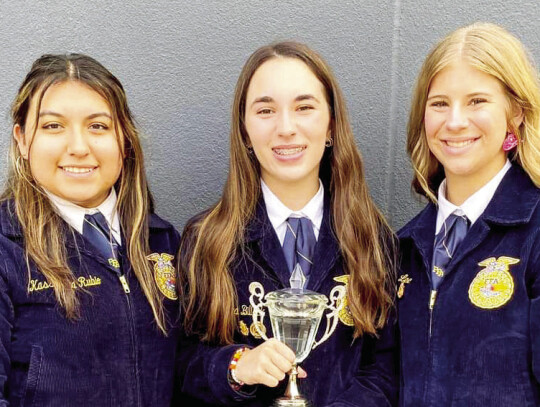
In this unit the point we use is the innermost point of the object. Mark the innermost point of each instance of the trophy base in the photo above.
(291, 402)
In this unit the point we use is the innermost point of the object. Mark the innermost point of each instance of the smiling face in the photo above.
(466, 123)
(73, 149)
(287, 119)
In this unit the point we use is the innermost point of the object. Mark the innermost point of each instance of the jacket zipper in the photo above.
(127, 291)
(432, 299)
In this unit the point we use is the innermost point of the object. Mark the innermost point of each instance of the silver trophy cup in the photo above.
(295, 315)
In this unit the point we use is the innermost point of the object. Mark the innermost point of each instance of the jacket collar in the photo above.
(504, 210)
(260, 230)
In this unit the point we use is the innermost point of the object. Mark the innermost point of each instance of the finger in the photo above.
(267, 380)
(302, 374)
(275, 372)
(281, 362)
(284, 350)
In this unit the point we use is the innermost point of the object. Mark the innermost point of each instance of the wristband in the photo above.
(233, 380)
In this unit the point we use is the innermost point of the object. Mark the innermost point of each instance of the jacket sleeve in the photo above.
(375, 383)
(6, 324)
(202, 373)
(533, 286)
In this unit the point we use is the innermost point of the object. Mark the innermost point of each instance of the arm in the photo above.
(533, 287)
(6, 324)
(375, 383)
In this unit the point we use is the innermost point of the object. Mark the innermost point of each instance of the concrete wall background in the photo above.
(179, 61)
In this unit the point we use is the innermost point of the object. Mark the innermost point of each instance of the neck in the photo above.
(294, 195)
(460, 187)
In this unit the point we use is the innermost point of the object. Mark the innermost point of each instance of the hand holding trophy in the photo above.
(295, 315)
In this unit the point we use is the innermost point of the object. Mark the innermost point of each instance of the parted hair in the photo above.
(43, 229)
(210, 244)
(492, 50)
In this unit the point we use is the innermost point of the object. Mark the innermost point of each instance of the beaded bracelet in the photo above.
(234, 382)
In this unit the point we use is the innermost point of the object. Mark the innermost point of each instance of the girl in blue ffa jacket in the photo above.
(294, 174)
(87, 297)
(469, 285)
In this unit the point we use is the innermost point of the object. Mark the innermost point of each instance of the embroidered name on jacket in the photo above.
(81, 282)
(493, 286)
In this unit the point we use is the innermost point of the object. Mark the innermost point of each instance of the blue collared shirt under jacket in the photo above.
(479, 345)
(342, 372)
(113, 355)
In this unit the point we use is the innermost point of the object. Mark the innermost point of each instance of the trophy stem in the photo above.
(292, 397)
(292, 387)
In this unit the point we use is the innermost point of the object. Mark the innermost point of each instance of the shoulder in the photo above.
(162, 234)
(9, 224)
(426, 215)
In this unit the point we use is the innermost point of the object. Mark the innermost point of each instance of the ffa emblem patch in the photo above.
(254, 331)
(344, 312)
(403, 279)
(493, 286)
(164, 274)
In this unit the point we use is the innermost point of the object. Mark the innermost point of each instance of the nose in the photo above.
(77, 144)
(286, 125)
(457, 119)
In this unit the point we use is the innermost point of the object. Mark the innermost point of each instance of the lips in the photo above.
(459, 144)
(288, 150)
(78, 170)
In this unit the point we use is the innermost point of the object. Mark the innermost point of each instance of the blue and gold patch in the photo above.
(344, 312)
(493, 286)
(164, 274)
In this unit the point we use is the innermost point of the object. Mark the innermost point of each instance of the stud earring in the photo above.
(510, 142)
(329, 142)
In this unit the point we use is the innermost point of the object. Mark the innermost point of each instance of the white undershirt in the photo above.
(74, 214)
(278, 213)
(475, 205)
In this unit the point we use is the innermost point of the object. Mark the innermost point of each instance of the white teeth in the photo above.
(459, 143)
(288, 151)
(77, 170)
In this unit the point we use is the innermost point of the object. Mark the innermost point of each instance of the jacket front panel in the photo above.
(341, 371)
(478, 345)
(112, 355)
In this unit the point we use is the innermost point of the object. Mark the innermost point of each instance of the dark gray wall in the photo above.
(179, 61)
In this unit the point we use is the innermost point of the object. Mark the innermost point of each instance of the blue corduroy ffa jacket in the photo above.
(479, 344)
(342, 372)
(113, 355)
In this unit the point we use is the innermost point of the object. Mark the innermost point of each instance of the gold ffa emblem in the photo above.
(254, 331)
(243, 328)
(344, 312)
(164, 274)
(403, 279)
(493, 286)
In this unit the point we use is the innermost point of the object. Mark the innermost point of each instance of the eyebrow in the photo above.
(470, 95)
(299, 98)
(90, 117)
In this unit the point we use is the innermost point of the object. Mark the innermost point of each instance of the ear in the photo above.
(21, 139)
(517, 116)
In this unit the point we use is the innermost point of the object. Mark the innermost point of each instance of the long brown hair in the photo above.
(493, 50)
(43, 229)
(210, 244)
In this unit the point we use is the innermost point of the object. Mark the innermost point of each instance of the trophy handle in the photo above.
(336, 296)
(257, 292)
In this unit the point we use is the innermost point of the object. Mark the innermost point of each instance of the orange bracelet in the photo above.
(236, 384)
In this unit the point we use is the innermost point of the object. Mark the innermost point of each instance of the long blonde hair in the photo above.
(493, 50)
(43, 229)
(210, 244)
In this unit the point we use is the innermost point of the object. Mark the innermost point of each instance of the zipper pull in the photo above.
(432, 298)
(124, 283)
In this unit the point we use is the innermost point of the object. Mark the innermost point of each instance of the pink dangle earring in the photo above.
(510, 142)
